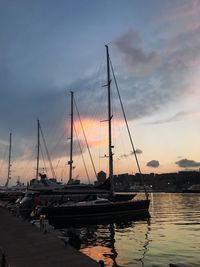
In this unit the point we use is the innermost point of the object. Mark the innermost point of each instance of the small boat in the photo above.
(99, 208)
(44, 183)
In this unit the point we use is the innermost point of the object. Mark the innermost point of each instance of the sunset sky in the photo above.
(49, 48)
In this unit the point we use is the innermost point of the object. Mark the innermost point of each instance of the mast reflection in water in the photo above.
(171, 235)
(109, 243)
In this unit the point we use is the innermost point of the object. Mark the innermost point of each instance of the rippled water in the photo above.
(171, 235)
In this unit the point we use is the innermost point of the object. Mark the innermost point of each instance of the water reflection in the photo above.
(109, 242)
(171, 235)
(146, 243)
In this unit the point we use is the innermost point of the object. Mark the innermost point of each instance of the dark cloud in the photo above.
(21, 107)
(134, 56)
(32, 65)
(186, 55)
(138, 151)
(19, 111)
(169, 79)
(153, 164)
(186, 163)
(23, 101)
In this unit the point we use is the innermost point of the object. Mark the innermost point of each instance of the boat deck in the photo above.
(24, 245)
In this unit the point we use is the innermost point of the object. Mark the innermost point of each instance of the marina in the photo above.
(98, 207)
(99, 133)
(169, 236)
(79, 214)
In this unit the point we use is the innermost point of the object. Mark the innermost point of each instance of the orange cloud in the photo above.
(96, 132)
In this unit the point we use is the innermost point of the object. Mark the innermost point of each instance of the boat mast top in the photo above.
(109, 123)
(70, 162)
(9, 161)
(38, 149)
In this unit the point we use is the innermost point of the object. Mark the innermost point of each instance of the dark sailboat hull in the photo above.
(83, 213)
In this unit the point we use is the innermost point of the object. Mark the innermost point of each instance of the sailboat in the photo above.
(49, 190)
(41, 181)
(13, 192)
(100, 208)
(5, 187)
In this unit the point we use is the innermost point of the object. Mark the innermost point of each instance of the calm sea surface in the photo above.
(171, 235)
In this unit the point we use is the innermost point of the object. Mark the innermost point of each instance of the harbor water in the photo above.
(171, 235)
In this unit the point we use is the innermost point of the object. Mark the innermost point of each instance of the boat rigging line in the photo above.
(9, 161)
(128, 129)
(47, 152)
(39, 131)
(85, 138)
(44, 168)
(82, 156)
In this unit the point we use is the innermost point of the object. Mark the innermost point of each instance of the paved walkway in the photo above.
(26, 246)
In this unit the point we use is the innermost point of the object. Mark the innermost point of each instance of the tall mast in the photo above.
(70, 162)
(109, 123)
(38, 148)
(9, 161)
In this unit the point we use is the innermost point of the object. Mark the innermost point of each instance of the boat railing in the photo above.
(79, 203)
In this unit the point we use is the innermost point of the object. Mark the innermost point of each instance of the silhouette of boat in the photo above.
(50, 191)
(99, 207)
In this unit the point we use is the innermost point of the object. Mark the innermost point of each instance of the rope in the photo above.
(127, 126)
(82, 156)
(48, 155)
(85, 139)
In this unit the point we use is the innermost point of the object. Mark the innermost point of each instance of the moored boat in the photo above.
(94, 210)
(100, 208)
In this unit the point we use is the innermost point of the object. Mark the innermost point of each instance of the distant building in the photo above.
(164, 182)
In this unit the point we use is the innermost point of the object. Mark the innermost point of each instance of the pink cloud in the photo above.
(185, 9)
(193, 26)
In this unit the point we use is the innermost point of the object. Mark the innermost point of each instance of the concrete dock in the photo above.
(25, 246)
